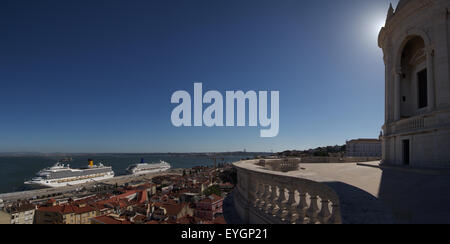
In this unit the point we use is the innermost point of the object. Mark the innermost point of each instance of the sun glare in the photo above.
(378, 25)
(373, 27)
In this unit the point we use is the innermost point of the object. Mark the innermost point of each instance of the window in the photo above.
(422, 89)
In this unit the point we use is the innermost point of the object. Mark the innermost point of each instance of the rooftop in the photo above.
(364, 140)
(211, 199)
(20, 207)
(110, 220)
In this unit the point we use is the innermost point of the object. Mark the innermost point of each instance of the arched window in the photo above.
(413, 84)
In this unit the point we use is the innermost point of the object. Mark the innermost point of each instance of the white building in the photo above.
(364, 148)
(415, 43)
(18, 213)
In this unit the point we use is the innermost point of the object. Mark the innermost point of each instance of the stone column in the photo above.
(397, 93)
(430, 79)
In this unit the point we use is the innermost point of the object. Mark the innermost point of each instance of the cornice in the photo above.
(400, 16)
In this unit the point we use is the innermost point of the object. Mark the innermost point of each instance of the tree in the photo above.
(229, 175)
(213, 190)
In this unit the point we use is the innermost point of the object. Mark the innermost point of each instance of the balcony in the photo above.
(267, 196)
(426, 122)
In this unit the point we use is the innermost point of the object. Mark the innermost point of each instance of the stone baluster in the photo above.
(325, 214)
(271, 202)
(258, 194)
(261, 192)
(313, 210)
(280, 202)
(336, 214)
(301, 209)
(291, 206)
(264, 196)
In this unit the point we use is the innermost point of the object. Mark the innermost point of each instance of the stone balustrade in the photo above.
(267, 197)
(283, 165)
(410, 123)
(417, 123)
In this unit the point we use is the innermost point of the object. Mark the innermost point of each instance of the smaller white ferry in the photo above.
(146, 168)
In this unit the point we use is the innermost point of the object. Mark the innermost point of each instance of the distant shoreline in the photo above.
(31, 154)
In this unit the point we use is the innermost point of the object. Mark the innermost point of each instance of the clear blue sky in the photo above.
(97, 76)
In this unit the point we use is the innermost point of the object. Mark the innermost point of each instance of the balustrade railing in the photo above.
(264, 197)
(411, 123)
(414, 123)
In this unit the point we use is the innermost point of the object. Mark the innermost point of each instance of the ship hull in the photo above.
(144, 172)
(58, 183)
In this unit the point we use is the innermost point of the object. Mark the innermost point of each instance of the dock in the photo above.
(60, 191)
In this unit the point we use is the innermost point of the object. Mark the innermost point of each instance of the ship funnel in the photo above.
(91, 162)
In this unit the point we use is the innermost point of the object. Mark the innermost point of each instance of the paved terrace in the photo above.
(372, 194)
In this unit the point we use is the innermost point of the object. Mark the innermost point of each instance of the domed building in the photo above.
(416, 47)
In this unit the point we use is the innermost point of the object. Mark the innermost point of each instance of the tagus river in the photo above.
(14, 170)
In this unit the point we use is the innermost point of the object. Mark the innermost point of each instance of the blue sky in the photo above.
(97, 76)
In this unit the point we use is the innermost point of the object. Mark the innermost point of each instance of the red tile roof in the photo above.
(110, 220)
(152, 222)
(67, 209)
(172, 208)
(212, 199)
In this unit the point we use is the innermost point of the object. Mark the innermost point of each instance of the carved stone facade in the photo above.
(415, 43)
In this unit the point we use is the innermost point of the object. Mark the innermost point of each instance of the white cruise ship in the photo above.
(146, 168)
(62, 175)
